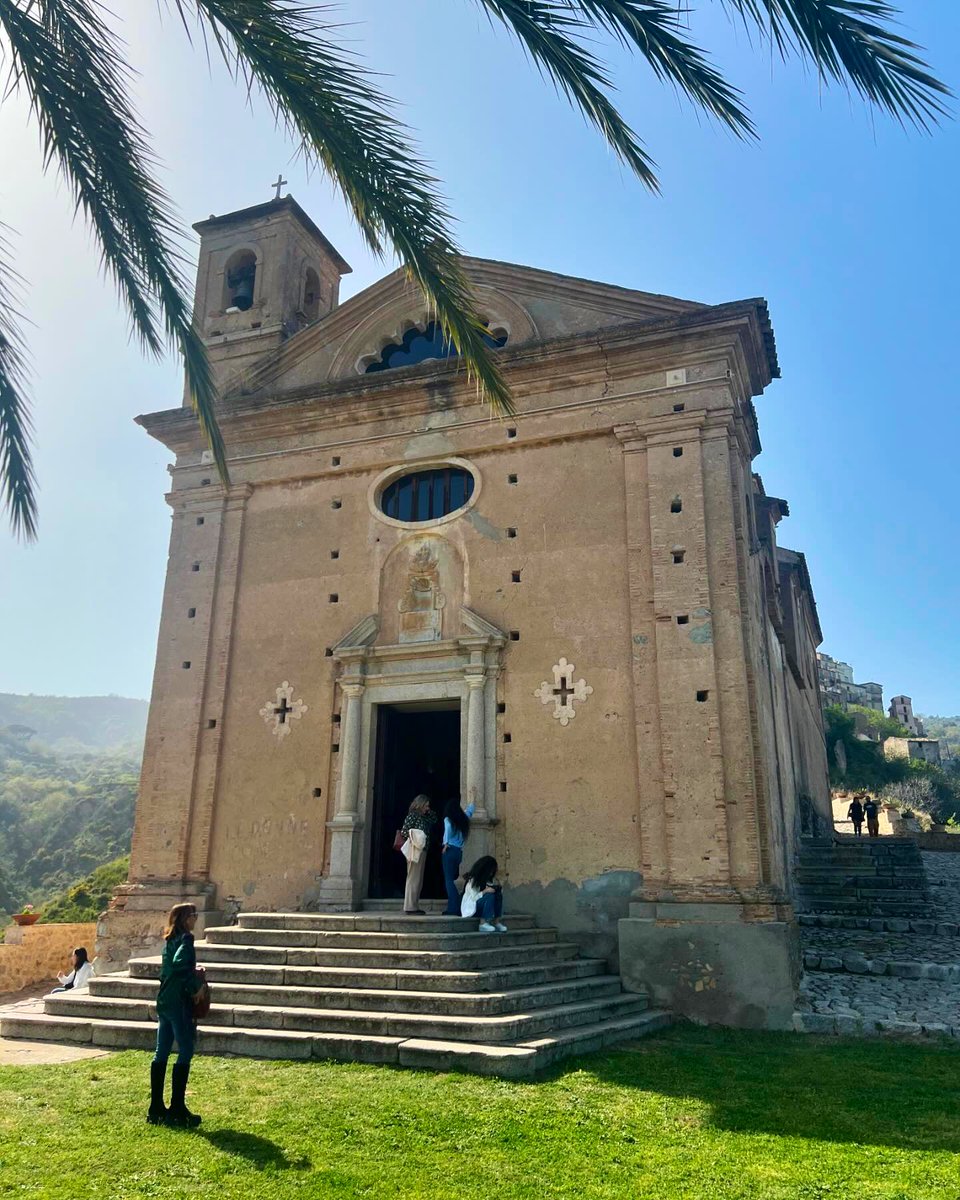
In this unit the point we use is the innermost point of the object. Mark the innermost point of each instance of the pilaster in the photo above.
(684, 586)
(204, 548)
(215, 667)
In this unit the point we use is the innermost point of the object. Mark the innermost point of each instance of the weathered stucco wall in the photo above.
(38, 953)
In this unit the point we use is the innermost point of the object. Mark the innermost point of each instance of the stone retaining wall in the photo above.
(36, 953)
(937, 841)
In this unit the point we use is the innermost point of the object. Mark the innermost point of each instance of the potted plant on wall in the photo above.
(29, 916)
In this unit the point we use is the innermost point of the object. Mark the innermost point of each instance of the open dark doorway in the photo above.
(418, 751)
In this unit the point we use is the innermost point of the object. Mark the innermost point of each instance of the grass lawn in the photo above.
(711, 1114)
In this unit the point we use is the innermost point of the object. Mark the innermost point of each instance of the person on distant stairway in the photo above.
(417, 825)
(855, 814)
(180, 981)
(456, 830)
(872, 813)
(79, 976)
(483, 896)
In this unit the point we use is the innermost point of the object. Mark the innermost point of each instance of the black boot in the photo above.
(178, 1113)
(157, 1112)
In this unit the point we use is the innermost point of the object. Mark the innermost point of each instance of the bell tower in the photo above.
(264, 274)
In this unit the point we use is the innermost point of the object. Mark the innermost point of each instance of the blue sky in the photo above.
(845, 223)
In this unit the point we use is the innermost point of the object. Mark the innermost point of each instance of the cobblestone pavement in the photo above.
(902, 947)
(861, 1000)
(943, 878)
(866, 1003)
(17, 1053)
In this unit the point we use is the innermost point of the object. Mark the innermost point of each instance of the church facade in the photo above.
(579, 619)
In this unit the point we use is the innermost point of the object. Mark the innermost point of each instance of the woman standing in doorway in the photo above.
(180, 982)
(456, 830)
(417, 825)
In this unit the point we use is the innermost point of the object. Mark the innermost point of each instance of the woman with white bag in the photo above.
(416, 834)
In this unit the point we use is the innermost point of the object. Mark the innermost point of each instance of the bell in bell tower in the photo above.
(264, 274)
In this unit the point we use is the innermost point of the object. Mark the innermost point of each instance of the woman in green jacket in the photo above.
(180, 981)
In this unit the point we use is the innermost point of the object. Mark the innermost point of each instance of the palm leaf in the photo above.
(653, 27)
(544, 28)
(17, 483)
(344, 124)
(71, 67)
(849, 41)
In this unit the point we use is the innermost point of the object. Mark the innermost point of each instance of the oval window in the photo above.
(427, 495)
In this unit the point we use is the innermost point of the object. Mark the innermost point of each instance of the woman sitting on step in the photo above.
(483, 896)
(79, 977)
(180, 981)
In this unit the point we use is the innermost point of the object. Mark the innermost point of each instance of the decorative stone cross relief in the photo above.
(563, 691)
(280, 712)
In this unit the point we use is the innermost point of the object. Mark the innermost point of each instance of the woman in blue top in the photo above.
(456, 829)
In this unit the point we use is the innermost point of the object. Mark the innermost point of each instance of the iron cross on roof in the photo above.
(278, 184)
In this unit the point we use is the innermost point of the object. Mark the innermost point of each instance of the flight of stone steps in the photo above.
(429, 992)
(866, 877)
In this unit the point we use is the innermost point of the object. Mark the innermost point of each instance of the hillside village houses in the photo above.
(579, 620)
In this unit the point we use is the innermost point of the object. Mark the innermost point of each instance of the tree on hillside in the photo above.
(69, 62)
(882, 726)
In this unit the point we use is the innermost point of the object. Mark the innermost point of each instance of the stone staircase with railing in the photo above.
(430, 992)
(860, 877)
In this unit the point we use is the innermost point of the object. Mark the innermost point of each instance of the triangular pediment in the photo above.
(363, 635)
(527, 304)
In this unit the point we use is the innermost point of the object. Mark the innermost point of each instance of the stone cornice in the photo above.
(736, 330)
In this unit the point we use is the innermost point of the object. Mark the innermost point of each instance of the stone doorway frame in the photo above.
(466, 669)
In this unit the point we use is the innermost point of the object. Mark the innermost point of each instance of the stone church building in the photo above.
(577, 619)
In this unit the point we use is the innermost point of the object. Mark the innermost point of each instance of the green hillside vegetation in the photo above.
(62, 815)
(920, 788)
(77, 724)
(947, 729)
(86, 900)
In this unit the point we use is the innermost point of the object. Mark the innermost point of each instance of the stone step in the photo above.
(857, 894)
(860, 908)
(506, 1027)
(469, 939)
(497, 951)
(470, 1004)
(490, 979)
(882, 870)
(373, 922)
(856, 853)
(880, 845)
(519, 1061)
(926, 928)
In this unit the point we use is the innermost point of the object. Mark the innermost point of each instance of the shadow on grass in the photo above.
(258, 1151)
(877, 1092)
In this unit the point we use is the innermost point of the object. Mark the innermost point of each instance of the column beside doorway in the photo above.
(476, 745)
(339, 885)
(466, 670)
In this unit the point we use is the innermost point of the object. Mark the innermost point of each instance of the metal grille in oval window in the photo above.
(427, 495)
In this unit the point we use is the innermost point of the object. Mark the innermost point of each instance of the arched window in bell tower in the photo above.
(310, 301)
(239, 278)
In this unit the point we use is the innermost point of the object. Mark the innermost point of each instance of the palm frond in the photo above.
(653, 27)
(344, 124)
(72, 69)
(545, 29)
(851, 42)
(17, 482)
